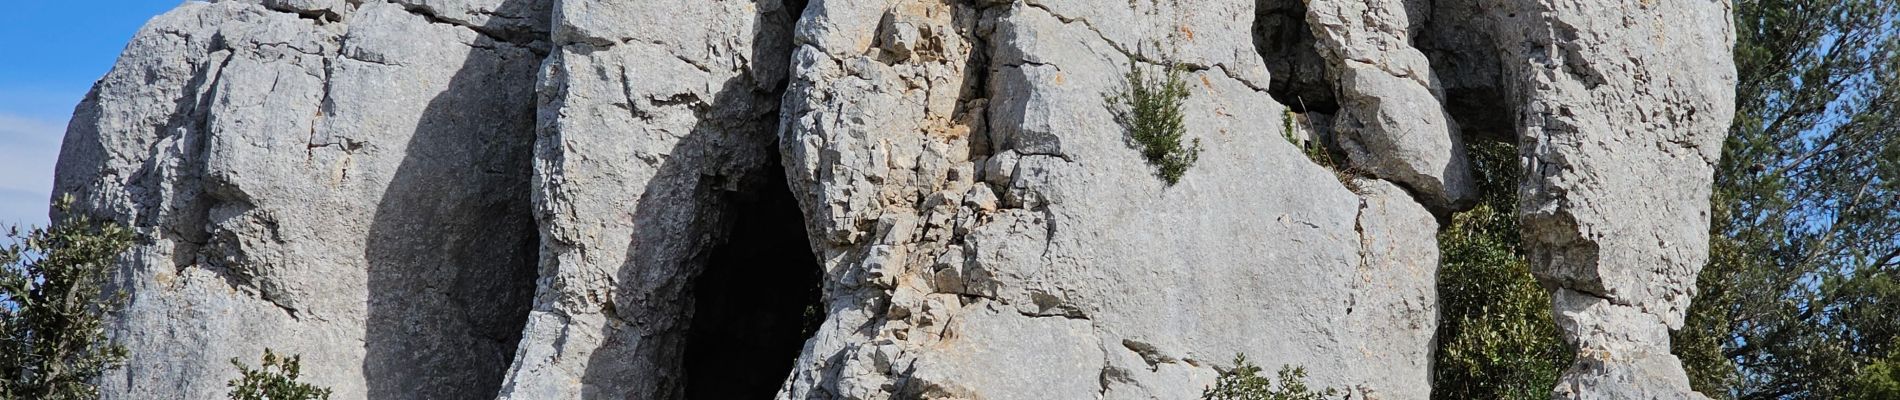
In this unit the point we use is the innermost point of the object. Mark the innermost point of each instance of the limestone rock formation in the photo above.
(870, 199)
(346, 182)
(1616, 98)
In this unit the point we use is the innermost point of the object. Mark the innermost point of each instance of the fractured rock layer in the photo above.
(989, 231)
(1391, 123)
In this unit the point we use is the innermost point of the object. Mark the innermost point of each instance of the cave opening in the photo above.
(758, 299)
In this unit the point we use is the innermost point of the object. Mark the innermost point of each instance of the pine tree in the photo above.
(1800, 295)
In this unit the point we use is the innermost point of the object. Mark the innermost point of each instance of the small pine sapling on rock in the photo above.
(1150, 108)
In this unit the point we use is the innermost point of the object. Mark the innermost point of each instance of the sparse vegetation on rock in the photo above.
(1151, 110)
(1315, 150)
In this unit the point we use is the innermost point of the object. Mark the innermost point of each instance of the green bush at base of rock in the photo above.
(1244, 382)
(275, 379)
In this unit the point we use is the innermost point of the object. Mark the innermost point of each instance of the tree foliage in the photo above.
(1496, 337)
(1799, 299)
(275, 379)
(53, 300)
(1244, 382)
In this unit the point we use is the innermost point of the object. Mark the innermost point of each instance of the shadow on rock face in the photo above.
(452, 249)
(719, 286)
(1299, 76)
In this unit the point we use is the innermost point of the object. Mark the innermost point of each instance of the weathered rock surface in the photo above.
(1616, 99)
(349, 185)
(543, 199)
(1089, 278)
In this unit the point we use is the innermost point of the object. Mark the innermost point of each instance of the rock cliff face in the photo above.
(869, 199)
(347, 182)
(1614, 99)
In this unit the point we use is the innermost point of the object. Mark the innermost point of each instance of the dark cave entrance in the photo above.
(757, 300)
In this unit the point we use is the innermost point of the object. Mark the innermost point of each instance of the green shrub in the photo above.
(1245, 383)
(1496, 337)
(276, 379)
(1151, 110)
(53, 301)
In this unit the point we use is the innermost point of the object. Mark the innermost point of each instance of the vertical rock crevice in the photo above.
(1457, 37)
(1391, 122)
(1299, 77)
(665, 244)
(759, 297)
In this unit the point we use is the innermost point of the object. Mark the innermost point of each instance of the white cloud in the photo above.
(28, 149)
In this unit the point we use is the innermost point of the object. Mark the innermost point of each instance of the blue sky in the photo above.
(54, 52)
